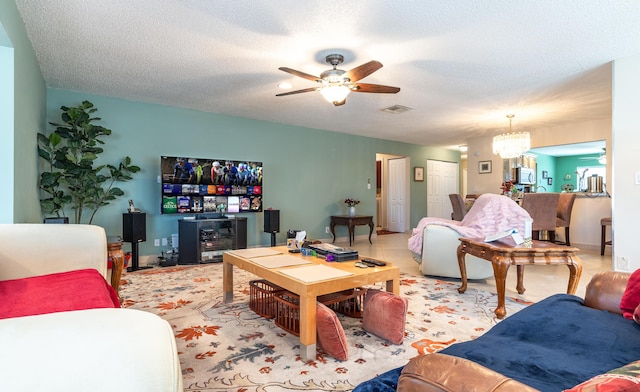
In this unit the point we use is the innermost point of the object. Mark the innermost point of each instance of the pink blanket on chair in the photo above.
(489, 214)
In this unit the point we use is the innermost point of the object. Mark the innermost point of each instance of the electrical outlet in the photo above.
(622, 264)
(156, 242)
(164, 242)
(326, 230)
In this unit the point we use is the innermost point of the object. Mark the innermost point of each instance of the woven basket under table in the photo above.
(261, 297)
(287, 306)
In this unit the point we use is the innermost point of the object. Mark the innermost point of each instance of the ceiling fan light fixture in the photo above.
(335, 93)
(335, 84)
(512, 144)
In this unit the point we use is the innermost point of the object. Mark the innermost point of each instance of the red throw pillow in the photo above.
(331, 337)
(385, 315)
(631, 297)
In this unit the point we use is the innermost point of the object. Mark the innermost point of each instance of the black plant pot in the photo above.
(57, 220)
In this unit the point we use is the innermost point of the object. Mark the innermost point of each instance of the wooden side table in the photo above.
(116, 255)
(351, 222)
(502, 255)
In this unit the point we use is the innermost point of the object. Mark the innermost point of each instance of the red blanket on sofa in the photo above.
(73, 290)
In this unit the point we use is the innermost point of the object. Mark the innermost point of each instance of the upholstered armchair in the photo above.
(543, 208)
(458, 205)
(435, 241)
(563, 219)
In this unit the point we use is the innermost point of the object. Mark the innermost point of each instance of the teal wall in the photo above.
(23, 94)
(546, 163)
(308, 172)
(568, 165)
(559, 167)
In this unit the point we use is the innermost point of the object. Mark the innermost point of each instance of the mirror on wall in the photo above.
(579, 167)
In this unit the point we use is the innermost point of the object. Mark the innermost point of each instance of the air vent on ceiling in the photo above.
(397, 109)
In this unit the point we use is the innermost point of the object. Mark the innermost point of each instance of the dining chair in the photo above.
(543, 208)
(459, 207)
(565, 206)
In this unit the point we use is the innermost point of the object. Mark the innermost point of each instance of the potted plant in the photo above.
(71, 176)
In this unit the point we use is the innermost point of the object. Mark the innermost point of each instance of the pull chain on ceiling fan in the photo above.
(336, 84)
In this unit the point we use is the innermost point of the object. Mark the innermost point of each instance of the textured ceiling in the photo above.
(462, 65)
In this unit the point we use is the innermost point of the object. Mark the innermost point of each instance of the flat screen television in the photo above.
(210, 186)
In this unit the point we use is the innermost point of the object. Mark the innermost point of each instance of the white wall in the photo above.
(626, 150)
(6, 129)
(481, 149)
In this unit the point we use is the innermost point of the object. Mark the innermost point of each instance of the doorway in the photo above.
(442, 180)
(392, 193)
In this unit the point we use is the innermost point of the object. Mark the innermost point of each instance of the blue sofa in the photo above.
(552, 345)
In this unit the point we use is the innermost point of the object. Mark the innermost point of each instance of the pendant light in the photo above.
(512, 144)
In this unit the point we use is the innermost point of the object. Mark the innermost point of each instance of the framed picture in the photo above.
(484, 167)
(545, 174)
(418, 173)
(549, 181)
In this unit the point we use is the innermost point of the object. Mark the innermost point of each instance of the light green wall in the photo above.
(308, 172)
(27, 96)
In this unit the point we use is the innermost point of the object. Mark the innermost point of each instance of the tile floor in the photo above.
(539, 281)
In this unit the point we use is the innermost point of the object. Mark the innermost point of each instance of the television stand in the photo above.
(203, 241)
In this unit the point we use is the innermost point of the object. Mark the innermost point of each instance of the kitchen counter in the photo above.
(585, 220)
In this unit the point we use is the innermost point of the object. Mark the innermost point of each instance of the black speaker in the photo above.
(271, 221)
(134, 227)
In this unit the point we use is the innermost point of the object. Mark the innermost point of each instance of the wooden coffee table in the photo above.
(309, 292)
(503, 254)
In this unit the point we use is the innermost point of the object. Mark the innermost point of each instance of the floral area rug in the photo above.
(228, 347)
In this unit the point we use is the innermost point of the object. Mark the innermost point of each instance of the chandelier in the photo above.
(512, 144)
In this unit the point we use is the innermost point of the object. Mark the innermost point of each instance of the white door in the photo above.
(397, 194)
(442, 179)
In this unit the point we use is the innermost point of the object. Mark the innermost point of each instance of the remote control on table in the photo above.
(374, 262)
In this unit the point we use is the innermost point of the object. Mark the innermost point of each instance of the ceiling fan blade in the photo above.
(299, 74)
(374, 88)
(306, 90)
(363, 71)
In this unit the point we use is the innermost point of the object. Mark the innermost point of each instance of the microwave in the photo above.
(524, 175)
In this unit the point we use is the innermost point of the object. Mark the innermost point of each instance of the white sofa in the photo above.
(439, 257)
(83, 350)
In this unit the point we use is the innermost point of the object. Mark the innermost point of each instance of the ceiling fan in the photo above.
(602, 159)
(335, 84)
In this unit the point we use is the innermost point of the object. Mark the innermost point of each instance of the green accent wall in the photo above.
(558, 167)
(546, 163)
(307, 172)
(568, 165)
